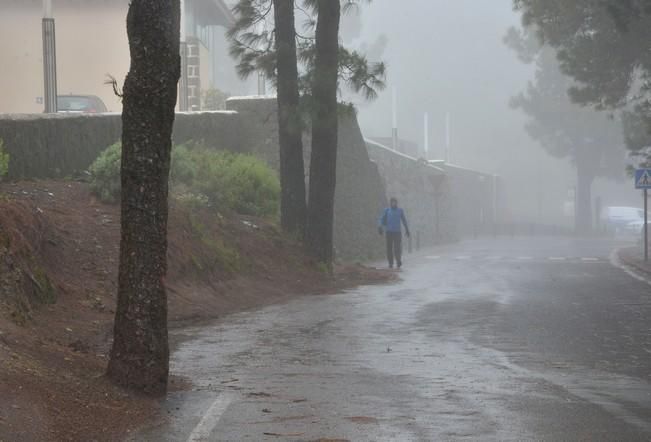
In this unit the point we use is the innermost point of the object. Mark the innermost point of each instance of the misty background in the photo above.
(449, 56)
(442, 56)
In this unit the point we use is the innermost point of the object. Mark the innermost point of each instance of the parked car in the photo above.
(87, 104)
(624, 221)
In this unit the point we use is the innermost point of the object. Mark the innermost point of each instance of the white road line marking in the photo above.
(589, 259)
(557, 258)
(463, 258)
(493, 258)
(615, 261)
(525, 258)
(210, 420)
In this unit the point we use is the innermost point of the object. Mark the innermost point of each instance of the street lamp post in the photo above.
(394, 119)
(49, 59)
(183, 81)
(426, 135)
(448, 156)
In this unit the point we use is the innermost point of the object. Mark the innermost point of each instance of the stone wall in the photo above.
(360, 192)
(443, 202)
(61, 145)
(360, 196)
(220, 129)
(421, 190)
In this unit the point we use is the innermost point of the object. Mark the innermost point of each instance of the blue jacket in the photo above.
(392, 219)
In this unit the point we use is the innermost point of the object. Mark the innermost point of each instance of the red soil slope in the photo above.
(58, 273)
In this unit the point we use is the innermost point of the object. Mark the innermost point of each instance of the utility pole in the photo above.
(49, 59)
(426, 135)
(262, 78)
(262, 84)
(394, 118)
(646, 225)
(183, 81)
(448, 157)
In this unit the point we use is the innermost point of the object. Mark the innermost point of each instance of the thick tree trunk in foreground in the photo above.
(140, 353)
(293, 207)
(323, 163)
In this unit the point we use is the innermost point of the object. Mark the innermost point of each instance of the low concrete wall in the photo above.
(360, 192)
(60, 145)
(442, 203)
(360, 195)
(421, 190)
(220, 129)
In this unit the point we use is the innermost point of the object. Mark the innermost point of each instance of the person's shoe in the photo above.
(390, 266)
(399, 264)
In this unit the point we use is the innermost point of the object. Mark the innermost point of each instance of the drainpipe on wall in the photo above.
(49, 59)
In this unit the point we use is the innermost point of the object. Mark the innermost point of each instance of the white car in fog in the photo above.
(623, 221)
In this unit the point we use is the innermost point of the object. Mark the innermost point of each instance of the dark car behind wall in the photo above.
(80, 103)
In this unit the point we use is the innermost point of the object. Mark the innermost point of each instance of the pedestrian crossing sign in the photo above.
(643, 179)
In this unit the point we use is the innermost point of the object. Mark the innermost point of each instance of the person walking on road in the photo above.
(391, 222)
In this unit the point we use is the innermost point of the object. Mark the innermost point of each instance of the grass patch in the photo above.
(44, 291)
(4, 162)
(219, 254)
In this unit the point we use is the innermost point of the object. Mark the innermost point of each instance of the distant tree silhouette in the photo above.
(591, 139)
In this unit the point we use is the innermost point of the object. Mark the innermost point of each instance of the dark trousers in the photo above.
(394, 247)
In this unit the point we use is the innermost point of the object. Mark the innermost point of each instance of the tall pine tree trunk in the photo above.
(140, 353)
(323, 163)
(293, 208)
(583, 221)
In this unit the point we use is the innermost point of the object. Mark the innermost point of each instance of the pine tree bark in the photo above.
(293, 207)
(323, 162)
(140, 354)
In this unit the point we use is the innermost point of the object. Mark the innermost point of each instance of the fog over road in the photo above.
(490, 339)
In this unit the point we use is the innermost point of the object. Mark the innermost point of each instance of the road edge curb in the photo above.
(633, 269)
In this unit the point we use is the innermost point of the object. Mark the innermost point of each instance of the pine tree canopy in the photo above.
(604, 45)
(252, 44)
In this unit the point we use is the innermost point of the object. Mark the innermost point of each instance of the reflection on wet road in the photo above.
(485, 340)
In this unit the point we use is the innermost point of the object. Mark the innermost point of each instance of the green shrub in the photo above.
(218, 179)
(105, 174)
(184, 168)
(4, 162)
(237, 182)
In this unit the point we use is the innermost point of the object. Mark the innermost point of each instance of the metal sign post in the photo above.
(643, 181)
(646, 228)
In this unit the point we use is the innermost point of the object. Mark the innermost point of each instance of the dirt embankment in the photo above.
(58, 274)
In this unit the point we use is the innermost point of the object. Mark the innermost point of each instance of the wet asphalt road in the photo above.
(520, 339)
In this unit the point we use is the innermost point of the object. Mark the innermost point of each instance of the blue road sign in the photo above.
(643, 179)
